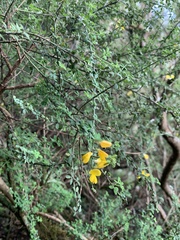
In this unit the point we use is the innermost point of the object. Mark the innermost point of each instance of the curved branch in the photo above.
(58, 218)
(6, 191)
(7, 200)
(174, 142)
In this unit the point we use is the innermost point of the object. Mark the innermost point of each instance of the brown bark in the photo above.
(28, 85)
(6, 191)
(174, 142)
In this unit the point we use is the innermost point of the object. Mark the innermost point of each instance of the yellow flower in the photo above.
(101, 163)
(86, 157)
(129, 93)
(117, 24)
(146, 156)
(105, 144)
(94, 173)
(168, 77)
(122, 28)
(102, 154)
(145, 173)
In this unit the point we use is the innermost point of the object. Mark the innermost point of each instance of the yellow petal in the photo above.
(102, 154)
(146, 156)
(97, 160)
(168, 77)
(129, 93)
(93, 179)
(105, 144)
(95, 172)
(144, 172)
(86, 157)
(102, 165)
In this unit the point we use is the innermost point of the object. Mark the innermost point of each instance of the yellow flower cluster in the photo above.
(169, 77)
(144, 173)
(101, 162)
(119, 24)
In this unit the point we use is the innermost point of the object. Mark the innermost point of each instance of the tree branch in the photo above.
(174, 142)
(5, 57)
(10, 204)
(58, 218)
(11, 71)
(29, 85)
(5, 190)
(7, 115)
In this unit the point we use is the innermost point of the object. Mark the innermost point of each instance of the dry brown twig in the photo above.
(12, 70)
(59, 219)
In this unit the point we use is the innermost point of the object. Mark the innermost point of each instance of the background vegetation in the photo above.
(74, 73)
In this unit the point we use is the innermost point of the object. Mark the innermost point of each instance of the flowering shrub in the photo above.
(101, 162)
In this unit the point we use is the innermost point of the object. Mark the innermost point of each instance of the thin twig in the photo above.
(105, 6)
(114, 234)
(8, 10)
(58, 218)
(5, 57)
(159, 207)
(10, 73)
(133, 153)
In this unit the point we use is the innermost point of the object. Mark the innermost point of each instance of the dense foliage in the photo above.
(74, 74)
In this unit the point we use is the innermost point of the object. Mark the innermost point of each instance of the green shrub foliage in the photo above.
(89, 119)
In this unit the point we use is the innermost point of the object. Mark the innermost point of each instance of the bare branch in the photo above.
(174, 142)
(5, 190)
(162, 212)
(5, 57)
(10, 73)
(7, 115)
(58, 218)
(8, 10)
(29, 85)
